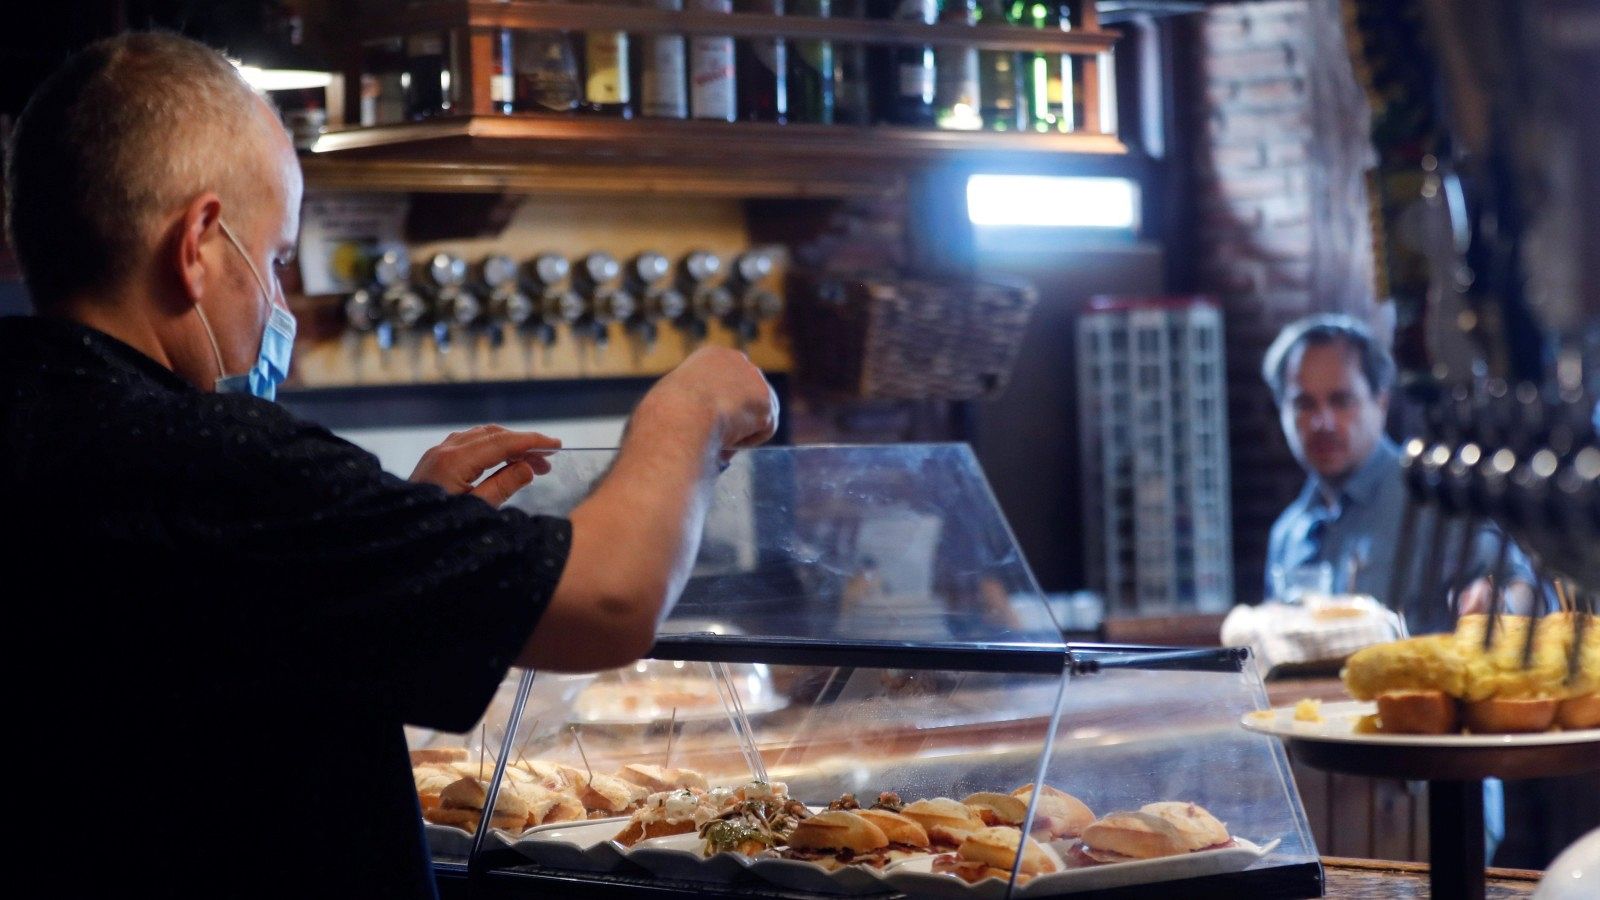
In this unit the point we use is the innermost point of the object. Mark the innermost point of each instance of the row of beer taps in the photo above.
(500, 299)
(1526, 457)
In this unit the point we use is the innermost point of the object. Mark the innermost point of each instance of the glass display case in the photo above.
(857, 694)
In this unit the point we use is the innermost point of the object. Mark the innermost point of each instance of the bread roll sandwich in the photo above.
(431, 780)
(997, 809)
(899, 829)
(1057, 815)
(546, 806)
(435, 755)
(991, 851)
(655, 778)
(1199, 829)
(1123, 836)
(461, 805)
(605, 796)
(835, 838)
(948, 822)
(553, 775)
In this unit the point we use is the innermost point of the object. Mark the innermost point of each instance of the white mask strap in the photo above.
(215, 350)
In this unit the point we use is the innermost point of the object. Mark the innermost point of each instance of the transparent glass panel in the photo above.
(1129, 737)
(439, 759)
(901, 543)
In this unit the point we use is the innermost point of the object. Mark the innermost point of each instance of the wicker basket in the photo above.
(907, 339)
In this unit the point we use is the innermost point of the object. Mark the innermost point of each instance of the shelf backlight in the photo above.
(1053, 201)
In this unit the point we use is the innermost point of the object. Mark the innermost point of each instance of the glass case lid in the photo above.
(894, 554)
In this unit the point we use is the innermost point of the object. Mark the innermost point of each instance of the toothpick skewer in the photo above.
(533, 730)
(1563, 599)
(483, 747)
(672, 732)
(584, 756)
(1541, 581)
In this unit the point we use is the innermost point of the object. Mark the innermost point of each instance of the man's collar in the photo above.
(1362, 486)
(54, 333)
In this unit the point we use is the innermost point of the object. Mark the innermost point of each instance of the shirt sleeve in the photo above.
(347, 579)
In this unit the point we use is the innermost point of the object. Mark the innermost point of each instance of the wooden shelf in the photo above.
(532, 135)
(343, 172)
(492, 14)
(581, 154)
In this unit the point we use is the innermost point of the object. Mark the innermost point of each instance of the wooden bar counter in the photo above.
(1370, 879)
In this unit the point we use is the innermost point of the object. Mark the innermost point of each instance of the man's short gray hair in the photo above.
(124, 133)
(1327, 328)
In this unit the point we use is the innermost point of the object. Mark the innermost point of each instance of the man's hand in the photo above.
(724, 381)
(458, 463)
(1477, 596)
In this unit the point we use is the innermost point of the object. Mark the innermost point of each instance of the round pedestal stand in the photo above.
(1455, 791)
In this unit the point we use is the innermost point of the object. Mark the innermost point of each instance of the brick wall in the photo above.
(1280, 147)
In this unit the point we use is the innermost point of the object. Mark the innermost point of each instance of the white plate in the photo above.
(917, 878)
(1339, 723)
(448, 840)
(578, 846)
(678, 856)
(803, 875)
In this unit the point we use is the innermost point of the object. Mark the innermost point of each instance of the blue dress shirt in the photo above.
(1359, 532)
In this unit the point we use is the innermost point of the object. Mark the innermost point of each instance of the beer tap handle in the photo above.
(1399, 578)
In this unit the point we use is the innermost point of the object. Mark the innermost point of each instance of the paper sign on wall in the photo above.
(341, 233)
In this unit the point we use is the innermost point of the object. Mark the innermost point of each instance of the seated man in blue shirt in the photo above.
(1331, 381)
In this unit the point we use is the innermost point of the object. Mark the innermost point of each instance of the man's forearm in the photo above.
(651, 507)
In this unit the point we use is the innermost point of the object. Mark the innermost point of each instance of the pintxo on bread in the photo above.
(1155, 830)
(1442, 683)
(991, 852)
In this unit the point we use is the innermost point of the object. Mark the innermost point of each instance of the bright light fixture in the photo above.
(1053, 201)
(283, 79)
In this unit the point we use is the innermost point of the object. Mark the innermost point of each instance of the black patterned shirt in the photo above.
(228, 614)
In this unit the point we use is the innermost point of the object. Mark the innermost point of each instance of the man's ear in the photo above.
(196, 232)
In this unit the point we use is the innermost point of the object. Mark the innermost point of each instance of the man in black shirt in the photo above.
(220, 616)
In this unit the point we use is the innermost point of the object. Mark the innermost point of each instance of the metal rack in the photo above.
(1153, 436)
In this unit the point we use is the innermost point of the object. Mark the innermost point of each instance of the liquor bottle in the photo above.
(811, 70)
(1107, 64)
(502, 78)
(1069, 89)
(957, 72)
(383, 86)
(851, 73)
(999, 76)
(608, 81)
(763, 69)
(426, 81)
(1041, 71)
(663, 88)
(546, 72)
(711, 85)
(914, 79)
